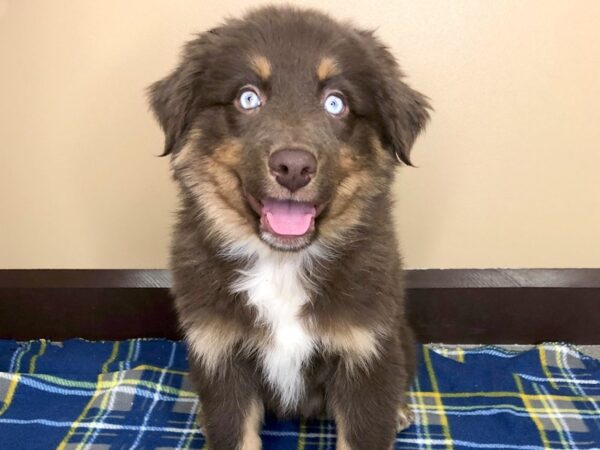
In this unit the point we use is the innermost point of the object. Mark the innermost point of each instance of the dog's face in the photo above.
(286, 126)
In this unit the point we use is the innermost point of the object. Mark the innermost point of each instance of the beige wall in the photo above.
(509, 168)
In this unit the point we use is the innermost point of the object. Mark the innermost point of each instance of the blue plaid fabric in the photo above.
(135, 394)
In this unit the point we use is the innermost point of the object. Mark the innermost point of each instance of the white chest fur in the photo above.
(274, 286)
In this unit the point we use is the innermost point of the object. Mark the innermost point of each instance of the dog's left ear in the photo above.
(404, 115)
(403, 112)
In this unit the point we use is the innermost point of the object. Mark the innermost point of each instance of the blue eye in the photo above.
(249, 99)
(334, 104)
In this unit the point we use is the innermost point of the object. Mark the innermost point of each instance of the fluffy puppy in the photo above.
(284, 130)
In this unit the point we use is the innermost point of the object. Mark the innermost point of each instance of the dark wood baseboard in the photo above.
(489, 306)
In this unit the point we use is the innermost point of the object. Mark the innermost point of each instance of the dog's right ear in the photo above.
(173, 99)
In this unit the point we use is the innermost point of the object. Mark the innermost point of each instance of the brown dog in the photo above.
(284, 130)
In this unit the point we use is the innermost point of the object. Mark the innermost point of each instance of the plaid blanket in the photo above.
(135, 394)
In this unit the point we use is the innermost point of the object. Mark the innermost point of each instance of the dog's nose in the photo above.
(293, 168)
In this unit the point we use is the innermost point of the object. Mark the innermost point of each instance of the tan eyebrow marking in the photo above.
(328, 67)
(261, 66)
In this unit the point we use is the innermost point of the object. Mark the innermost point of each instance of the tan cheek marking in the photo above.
(261, 66)
(353, 178)
(327, 68)
(227, 182)
(346, 207)
(220, 168)
(251, 438)
(352, 184)
(358, 184)
(229, 153)
(216, 189)
(222, 206)
(347, 160)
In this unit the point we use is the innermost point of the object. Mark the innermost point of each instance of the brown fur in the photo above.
(362, 359)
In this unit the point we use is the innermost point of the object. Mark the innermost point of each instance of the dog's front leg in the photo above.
(369, 403)
(231, 410)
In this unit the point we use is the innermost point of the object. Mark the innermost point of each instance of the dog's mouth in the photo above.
(285, 218)
(288, 218)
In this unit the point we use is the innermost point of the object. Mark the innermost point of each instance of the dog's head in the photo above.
(286, 125)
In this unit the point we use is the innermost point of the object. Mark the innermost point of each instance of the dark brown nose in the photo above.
(293, 168)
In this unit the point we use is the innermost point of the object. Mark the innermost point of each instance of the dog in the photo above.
(284, 130)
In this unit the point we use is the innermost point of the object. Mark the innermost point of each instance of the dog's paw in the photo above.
(405, 418)
(200, 420)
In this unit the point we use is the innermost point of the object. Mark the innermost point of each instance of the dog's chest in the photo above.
(274, 287)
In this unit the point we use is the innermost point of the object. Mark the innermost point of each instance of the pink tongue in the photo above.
(288, 218)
